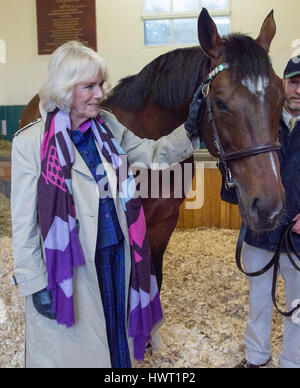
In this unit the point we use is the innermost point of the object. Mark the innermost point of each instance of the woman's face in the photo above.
(86, 100)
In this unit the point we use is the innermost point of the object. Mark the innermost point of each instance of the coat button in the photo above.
(77, 226)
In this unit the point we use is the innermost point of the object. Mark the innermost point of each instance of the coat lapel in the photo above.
(79, 164)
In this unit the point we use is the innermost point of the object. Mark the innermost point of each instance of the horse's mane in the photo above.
(168, 80)
(171, 79)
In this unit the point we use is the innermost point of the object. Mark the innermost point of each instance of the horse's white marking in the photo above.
(273, 165)
(257, 86)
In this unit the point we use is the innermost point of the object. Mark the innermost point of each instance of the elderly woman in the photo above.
(82, 259)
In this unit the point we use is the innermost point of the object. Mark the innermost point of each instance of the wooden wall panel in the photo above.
(215, 212)
(5, 169)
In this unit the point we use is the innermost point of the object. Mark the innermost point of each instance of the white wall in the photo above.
(120, 40)
(23, 72)
(247, 17)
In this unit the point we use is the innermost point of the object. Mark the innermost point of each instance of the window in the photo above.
(169, 22)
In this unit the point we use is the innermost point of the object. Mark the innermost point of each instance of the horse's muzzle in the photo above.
(263, 214)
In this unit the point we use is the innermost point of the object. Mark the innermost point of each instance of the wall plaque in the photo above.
(59, 21)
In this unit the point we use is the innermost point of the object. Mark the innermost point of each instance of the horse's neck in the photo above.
(152, 122)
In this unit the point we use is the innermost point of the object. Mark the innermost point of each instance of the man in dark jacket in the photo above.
(259, 248)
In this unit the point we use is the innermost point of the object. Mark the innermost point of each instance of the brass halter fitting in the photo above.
(205, 89)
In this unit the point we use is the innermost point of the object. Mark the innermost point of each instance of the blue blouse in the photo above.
(109, 230)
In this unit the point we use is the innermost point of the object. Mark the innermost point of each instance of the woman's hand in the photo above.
(189, 135)
(296, 227)
(192, 125)
(42, 301)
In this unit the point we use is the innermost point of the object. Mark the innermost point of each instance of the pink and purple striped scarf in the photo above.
(57, 218)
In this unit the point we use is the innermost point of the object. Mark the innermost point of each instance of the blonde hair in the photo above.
(71, 63)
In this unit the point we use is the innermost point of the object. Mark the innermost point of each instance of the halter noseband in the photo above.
(226, 157)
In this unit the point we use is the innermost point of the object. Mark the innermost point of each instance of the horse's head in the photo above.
(246, 102)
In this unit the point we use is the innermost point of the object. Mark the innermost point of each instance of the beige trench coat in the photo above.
(47, 344)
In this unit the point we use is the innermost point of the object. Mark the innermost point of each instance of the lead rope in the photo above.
(286, 236)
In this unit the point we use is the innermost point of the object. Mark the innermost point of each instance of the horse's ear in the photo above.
(267, 32)
(208, 35)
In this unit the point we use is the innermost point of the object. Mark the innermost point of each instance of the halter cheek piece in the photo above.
(226, 157)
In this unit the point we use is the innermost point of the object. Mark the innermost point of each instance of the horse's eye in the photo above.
(221, 105)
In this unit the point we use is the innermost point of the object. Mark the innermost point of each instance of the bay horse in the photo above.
(245, 104)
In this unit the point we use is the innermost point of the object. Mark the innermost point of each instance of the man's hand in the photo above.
(296, 227)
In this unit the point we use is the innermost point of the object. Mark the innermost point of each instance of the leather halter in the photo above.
(226, 157)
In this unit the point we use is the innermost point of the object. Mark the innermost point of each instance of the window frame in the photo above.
(179, 15)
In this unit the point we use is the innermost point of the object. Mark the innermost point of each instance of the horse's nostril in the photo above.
(254, 208)
(265, 214)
